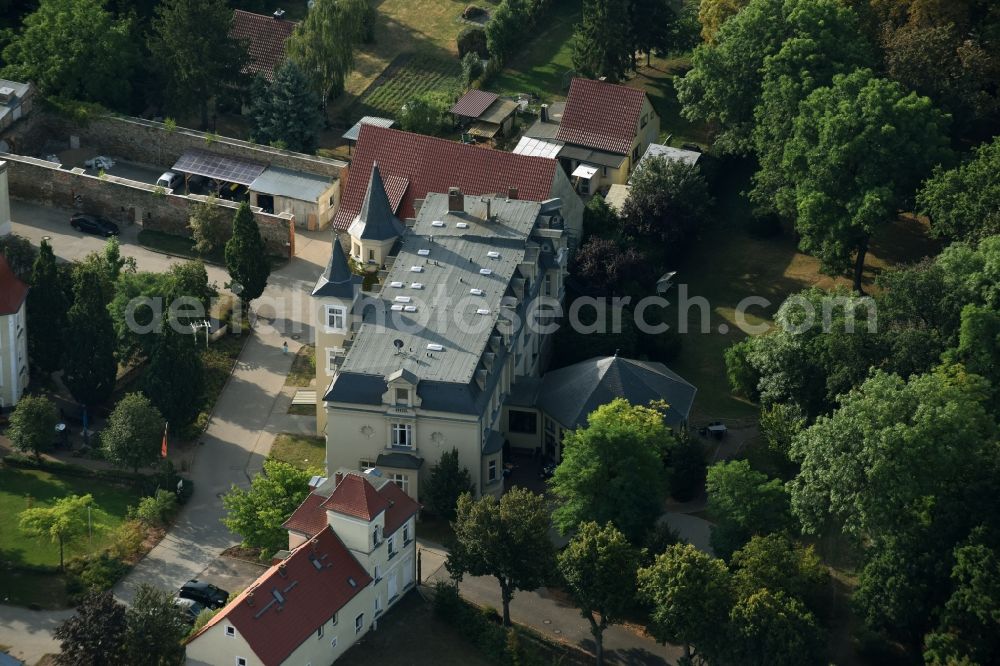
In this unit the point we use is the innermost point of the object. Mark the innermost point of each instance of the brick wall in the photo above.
(126, 200)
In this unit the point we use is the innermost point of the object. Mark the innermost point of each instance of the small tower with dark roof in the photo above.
(335, 298)
(375, 228)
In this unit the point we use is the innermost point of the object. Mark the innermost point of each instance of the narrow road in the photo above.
(239, 434)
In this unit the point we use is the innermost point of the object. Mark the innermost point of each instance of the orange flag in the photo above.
(163, 449)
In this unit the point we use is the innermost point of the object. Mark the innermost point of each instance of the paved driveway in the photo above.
(239, 434)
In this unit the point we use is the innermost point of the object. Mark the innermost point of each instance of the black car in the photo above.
(204, 593)
(93, 224)
(190, 610)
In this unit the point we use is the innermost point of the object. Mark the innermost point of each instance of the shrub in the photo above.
(128, 539)
(156, 509)
(92, 574)
(472, 40)
(203, 618)
(472, 68)
(170, 124)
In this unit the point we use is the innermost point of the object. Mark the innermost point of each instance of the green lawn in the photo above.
(409, 75)
(303, 368)
(24, 488)
(543, 66)
(658, 81)
(305, 452)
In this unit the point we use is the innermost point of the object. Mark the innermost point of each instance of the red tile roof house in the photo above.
(605, 129)
(13, 336)
(413, 165)
(353, 555)
(265, 38)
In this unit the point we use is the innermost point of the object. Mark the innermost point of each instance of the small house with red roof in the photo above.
(352, 556)
(604, 129)
(13, 336)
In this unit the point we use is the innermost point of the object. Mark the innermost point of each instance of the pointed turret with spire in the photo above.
(337, 280)
(375, 227)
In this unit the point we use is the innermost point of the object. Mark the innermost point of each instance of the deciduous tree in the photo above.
(777, 563)
(961, 202)
(134, 432)
(613, 471)
(210, 226)
(20, 255)
(691, 596)
(744, 503)
(154, 629)
(857, 152)
(175, 379)
(61, 523)
(32, 425)
(508, 540)
(246, 258)
(323, 44)
(773, 629)
(668, 204)
(256, 514)
(599, 567)
(94, 634)
(713, 13)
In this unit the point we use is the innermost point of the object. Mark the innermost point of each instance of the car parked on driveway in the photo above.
(189, 608)
(93, 224)
(204, 593)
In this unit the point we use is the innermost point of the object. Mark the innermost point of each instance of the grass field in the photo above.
(407, 76)
(21, 488)
(305, 452)
(303, 369)
(542, 67)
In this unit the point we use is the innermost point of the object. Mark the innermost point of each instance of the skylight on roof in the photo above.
(416, 285)
(462, 225)
(396, 308)
(316, 563)
(278, 596)
(433, 346)
(410, 308)
(493, 255)
(351, 581)
(483, 311)
(485, 271)
(397, 285)
(416, 269)
(437, 223)
(403, 299)
(424, 253)
(476, 292)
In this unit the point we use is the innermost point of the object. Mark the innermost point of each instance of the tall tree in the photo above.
(651, 25)
(773, 629)
(599, 567)
(20, 255)
(61, 523)
(192, 52)
(246, 258)
(447, 482)
(134, 432)
(602, 42)
(89, 366)
(713, 13)
(613, 471)
(744, 503)
(175, 379)
(155, 629)
(508, 540)
(961, 202)
(94, 635)
(46, 311)
(32, 425)
(288, 113)
(256, 514)
(209, 225)
(777, 563)
(667, 204)
(323, 44)
(76, 49)
(857, 152)
(691, 596)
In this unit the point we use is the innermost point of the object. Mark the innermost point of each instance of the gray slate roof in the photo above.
(399, 461)
(292, 184)
(376, 221)
(337, 280)
(352, 134)
(570, 394)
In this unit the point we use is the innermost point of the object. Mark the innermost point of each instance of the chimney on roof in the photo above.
(337, 478)
(456, 200)
(512, 193)
(543, 113)
(278, 14)
(283, 570)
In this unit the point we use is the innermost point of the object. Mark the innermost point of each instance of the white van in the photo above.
(169, 180)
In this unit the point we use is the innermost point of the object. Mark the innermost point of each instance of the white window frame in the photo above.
(359, 623)
(406, 532)
(332, 312)
(332, 353)
(230, 631)
(378, 570)
(319, 631)
(333, 621)
(401, 480)
(391, 545)
(378, 603)
(400, 428)
(491, 470)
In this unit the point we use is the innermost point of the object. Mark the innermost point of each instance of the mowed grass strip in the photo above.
(305, 452)
(24, 488)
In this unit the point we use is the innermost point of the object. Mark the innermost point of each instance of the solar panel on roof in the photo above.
(219, 167)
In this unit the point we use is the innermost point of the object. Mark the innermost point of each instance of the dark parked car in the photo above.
(93, 224)
(204, 593)
(190, 609)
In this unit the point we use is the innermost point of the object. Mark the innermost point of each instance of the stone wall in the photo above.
(150, 143)
(127, 201)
